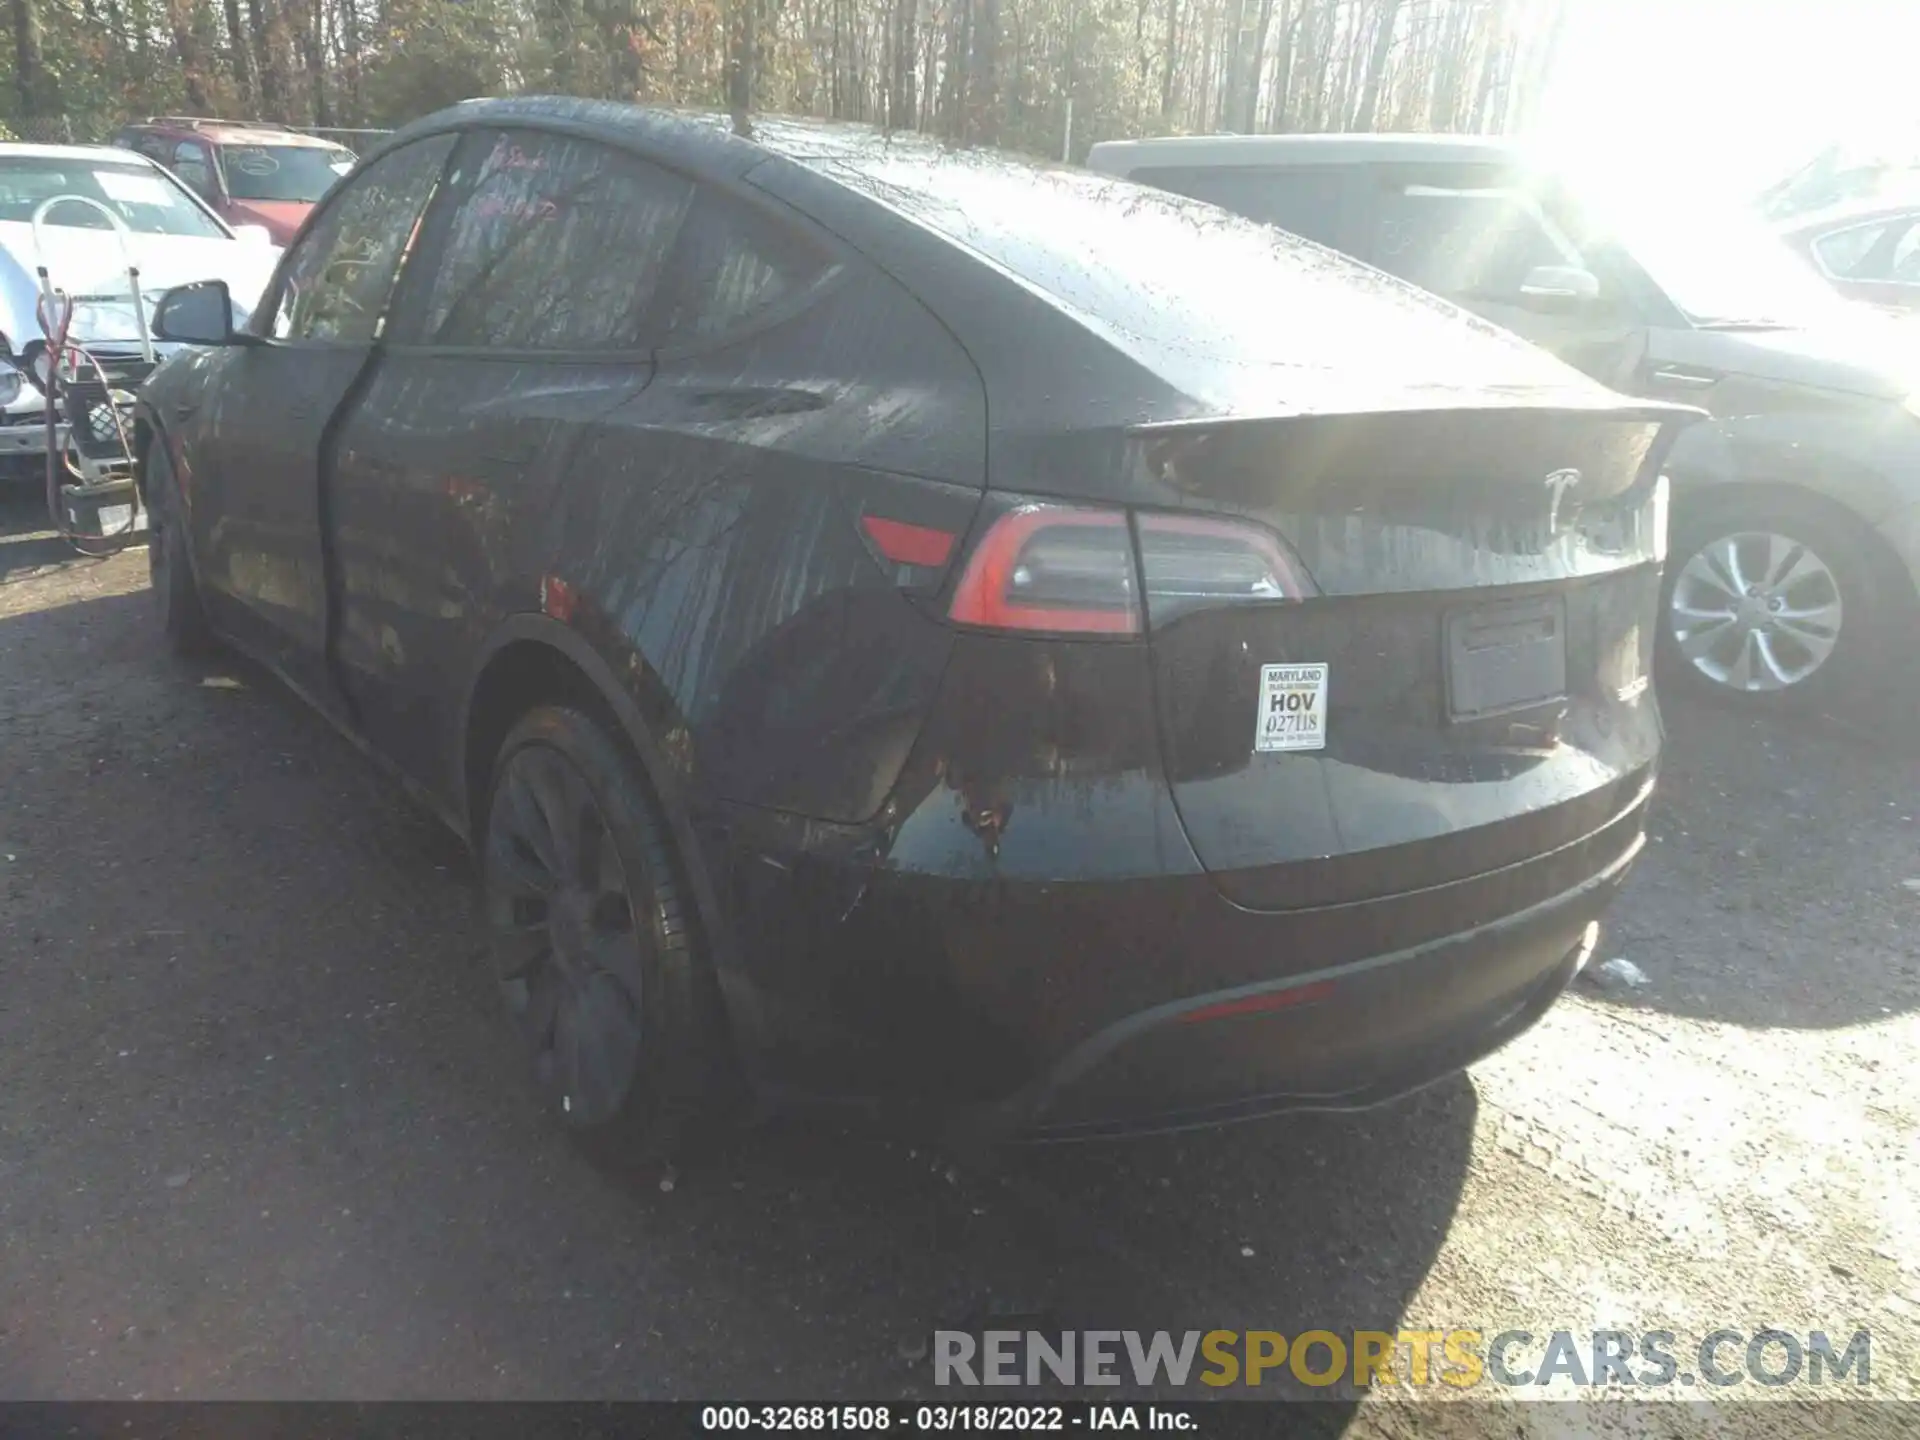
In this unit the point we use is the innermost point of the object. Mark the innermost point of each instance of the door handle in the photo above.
(1683, 379)
(184, 410)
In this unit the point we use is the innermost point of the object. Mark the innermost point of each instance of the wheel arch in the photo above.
(146, 429)
(532, 658)
(1735, 495)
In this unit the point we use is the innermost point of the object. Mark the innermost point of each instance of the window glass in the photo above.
(739, 261)
(1307, 201)
(297, 173)
(558, 244)
(1196, 291)
(1459, 243)
(149, 201)
(190, 164)
(338, 280)
(1841, 252)
(1905, 269)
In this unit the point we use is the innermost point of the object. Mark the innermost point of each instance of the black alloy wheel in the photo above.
(594, 955)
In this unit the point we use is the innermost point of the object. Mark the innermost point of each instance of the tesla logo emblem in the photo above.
(1558, 484)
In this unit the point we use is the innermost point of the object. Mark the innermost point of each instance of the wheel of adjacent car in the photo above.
(1768, 601)
(176, 594)
(595, 953)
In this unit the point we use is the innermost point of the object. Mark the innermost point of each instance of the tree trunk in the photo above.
(740, 41)
(186, 49)
(1232, 37)
(317, 64)
(1200, 98)
(953, 76)
(983, 77)
(900, 82)
(1278, 116)
(1249, 117)
(347, 31)
(1384, 20)
(1450, 70)
(1173, 54)
(273, 88)
(30, 78)
(1489, 71)
(239, 56)
(1314, 66)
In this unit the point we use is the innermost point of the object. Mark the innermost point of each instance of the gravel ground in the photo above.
(261, 1137)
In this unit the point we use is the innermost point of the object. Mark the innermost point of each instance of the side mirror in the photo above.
(197, 314)
(1559, 287)
(253, 234)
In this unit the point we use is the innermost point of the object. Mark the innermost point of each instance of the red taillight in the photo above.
(905, 544)
(1070, 569)
(1058, 569)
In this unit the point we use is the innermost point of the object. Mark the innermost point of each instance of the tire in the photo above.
(594, 950)
(1771, 602)
(176, 594)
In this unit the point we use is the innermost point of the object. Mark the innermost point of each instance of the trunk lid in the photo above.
(1465, 685)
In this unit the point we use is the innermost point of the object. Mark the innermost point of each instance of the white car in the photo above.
(86, 212)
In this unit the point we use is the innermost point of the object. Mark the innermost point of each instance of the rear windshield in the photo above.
(301, 173)
(1187, 287)
(146, 200)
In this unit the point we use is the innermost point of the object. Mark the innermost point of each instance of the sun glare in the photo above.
(1731, 94)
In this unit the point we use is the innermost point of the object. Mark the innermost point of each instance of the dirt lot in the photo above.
(260, 1135)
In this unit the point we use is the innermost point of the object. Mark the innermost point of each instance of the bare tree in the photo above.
(740, 46)
(1386, 15)
(31, 81)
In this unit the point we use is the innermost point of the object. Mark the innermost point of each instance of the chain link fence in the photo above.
(50, 130)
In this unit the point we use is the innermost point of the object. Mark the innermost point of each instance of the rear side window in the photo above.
(191, 165)
(1885, 251)
(557, 244)
(737, 264)
(1842, 252)
(1309, 201)
(1904, 262)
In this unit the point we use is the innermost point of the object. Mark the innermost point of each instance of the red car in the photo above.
(1868, 250)
(249, 172)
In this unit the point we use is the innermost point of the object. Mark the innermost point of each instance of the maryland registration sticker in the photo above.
(1293, 708)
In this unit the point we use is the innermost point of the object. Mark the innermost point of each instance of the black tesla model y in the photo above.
(896, 622)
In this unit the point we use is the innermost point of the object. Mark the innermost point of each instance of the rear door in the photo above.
(257, 506)
(525, 325)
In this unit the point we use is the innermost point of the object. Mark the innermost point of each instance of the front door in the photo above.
(272, 408)
(1492, 244)
(515, 335)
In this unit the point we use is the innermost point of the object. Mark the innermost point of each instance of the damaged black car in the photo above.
(909, 623)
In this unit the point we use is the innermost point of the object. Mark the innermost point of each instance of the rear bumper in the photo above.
(1366, 1033)
(1053, 1010)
